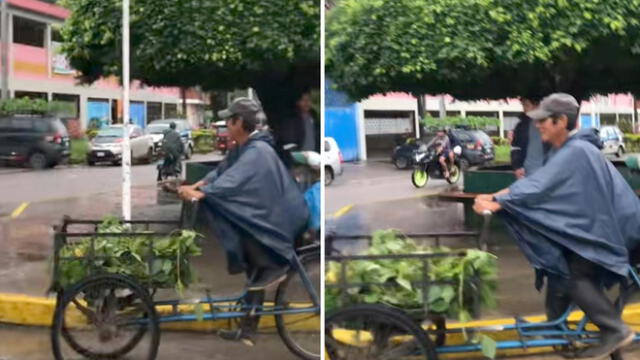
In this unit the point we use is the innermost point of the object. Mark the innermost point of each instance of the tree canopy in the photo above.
(484, 49)
(270, 45)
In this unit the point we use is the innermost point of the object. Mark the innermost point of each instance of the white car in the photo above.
(612, 140)
(332, 159)
(107, 145)
(157, 128)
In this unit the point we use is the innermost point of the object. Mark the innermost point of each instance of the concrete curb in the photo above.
(27, 310)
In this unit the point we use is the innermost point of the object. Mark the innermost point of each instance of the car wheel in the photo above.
(91, 163)
(188, 153)
(401, 162)
(328, 176)
(620, 152)
(38, 161)
(149, 157)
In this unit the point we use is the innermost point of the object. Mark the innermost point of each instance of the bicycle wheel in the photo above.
(300, 332)
(105, 317)
(375, 332)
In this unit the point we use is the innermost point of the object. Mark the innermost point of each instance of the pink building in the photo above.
(38, 70)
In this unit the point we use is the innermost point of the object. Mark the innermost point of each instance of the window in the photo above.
(56, 36)
(21, 124)
(170, 111)
(28, 32)
(154, 111)
(327, 146)
(30, 95)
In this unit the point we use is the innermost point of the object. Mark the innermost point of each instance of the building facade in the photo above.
(36, 69)
(372, 127)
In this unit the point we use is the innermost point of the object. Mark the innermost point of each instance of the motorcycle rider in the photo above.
(442, 145)
(173, 148)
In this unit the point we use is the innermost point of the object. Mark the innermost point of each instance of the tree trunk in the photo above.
(183, 95)
(422, 111)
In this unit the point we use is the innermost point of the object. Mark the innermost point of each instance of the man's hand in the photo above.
(484, 197)
(480, 206)
(189, 193)
(519, 173)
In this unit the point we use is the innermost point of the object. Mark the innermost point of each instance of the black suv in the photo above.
(38, 141)
(477, 148)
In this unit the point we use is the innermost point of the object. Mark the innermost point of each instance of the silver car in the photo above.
(612, 141)
(157, 128)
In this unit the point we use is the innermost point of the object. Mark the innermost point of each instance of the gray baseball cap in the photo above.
(241, 106)
(555, 104)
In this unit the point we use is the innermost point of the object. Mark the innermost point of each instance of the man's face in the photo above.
(440, 133)
(304, 104)
(550, 131)
(235, 127)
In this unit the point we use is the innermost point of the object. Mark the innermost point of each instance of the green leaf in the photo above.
(488, 346)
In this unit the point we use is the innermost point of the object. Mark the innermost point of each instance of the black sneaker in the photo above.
(267, 278)
(237, 335)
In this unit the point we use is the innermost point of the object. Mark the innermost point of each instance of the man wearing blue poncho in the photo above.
(256, 206)
(576, 218)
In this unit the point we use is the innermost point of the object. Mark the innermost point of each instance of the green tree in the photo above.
(271, 45)
(481, 49)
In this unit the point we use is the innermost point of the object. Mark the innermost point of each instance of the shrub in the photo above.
(632, 142)
(203, 140)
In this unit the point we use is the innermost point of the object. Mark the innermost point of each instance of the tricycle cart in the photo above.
(378, 331)
(114, 315)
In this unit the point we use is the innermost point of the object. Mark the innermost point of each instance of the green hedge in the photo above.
(204, 140)
(26, 106)
(632, 142)
(474, 122)
(500, 141)
(79, 149)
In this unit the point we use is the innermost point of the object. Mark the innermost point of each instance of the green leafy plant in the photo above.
(393, 282)
(164, 262)
(27, 106)
(473, 122)
(203, 140)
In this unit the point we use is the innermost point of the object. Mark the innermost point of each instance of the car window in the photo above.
(41, 126)
(327, 146)
(110, 132)
(21, 124)
(136, 131)
(5, 124)
(482, 136)
(462, 136)
(59, 127)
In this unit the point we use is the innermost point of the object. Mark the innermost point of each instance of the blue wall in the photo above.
(341, 122)
(137, 114)
(587, 122)
(98, 111)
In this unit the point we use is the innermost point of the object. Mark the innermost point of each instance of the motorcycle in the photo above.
(427, 165)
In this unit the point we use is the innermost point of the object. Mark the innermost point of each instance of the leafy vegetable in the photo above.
(397, 282)
(162, 261)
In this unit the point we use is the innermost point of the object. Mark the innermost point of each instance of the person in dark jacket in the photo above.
(173, 148)
(304, 128)
(527, 149)
(585, 240)
(257, 210)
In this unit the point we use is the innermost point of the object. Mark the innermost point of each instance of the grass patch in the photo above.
(79, 148)
(503, 154)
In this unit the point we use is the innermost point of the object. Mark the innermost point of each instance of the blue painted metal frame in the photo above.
(547, 329)
(218, 311)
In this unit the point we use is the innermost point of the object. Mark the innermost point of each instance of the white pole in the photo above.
(126, 146)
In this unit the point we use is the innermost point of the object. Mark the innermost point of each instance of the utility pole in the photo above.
(126, 144)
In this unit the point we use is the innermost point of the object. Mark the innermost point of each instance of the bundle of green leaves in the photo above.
(398, 282)
(162, 261)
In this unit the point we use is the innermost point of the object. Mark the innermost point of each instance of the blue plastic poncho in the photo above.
(577, 201)
(251, 195)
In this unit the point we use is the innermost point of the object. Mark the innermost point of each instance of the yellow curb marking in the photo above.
(19, 210)
(342, 211)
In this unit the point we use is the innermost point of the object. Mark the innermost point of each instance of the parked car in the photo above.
(223, 142)
(106, 146)
(332, 159)
(477, 149)
(40, 142)
(157, 128)
(612, 141)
